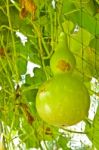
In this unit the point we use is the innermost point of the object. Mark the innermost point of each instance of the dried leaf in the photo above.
(2, 53)
(28, 115)
(27, 6)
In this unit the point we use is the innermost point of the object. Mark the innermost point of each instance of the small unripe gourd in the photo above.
(62, 61)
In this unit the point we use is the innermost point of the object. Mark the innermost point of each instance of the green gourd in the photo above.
(63, 100)
(62, 61)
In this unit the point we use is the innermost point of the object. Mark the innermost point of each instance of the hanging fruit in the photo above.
(63, 100)
(62, 61)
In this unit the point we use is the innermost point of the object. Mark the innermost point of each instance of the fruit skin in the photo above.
(62, 61)
(63, 100)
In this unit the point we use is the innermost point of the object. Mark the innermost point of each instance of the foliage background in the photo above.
(41, 21)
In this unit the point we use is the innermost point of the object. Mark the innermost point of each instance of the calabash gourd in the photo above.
(63, 100)
(62, 61)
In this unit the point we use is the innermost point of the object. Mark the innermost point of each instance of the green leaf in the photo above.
(21, 65)
(23, 25)
(68, 26)
(62, 142)
(93, 130)
(94, 43)
(28, 51)
(2, 2)
(68, 6)
(22, 49)
(85, 21)
(30, 95)
(96, 118)
(89, 6)
(34, 54)
(28, 136)
(39, 76)
(3, 21)
(94, 55)
(46, 132)
(76, 39)
(28, 79)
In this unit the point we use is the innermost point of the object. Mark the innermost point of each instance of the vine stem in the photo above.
(7, 27)
(12, 36)
(41, 49)
(72, 131)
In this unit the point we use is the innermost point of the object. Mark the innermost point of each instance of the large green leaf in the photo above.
(84, 20)
(28, 135)
(88, 5)
(68, 6)
(93, 130)
(62, 142)
(38, 78)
